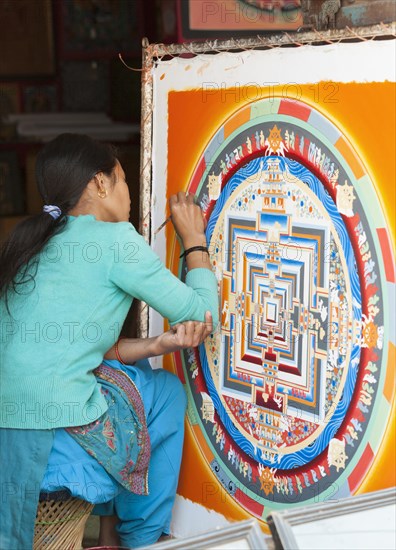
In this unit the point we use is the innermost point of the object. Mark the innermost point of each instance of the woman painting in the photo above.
(81, 409)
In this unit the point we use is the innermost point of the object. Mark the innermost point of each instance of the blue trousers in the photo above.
(142, 518)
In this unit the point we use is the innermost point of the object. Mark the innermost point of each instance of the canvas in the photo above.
(290, 153)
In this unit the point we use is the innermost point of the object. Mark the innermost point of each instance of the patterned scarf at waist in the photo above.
(119, 439)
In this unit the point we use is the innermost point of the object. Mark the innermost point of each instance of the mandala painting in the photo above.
(290, 399)
(283, 391)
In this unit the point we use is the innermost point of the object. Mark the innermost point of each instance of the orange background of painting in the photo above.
(365, 113)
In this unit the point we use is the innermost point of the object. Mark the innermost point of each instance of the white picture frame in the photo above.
(359, 522)
(243, 535)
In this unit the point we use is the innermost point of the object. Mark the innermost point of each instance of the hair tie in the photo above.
(52, 210)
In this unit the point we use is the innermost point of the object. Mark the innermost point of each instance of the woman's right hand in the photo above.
(188, 219)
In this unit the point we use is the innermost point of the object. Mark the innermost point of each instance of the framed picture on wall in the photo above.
(226, 18)
(85, 86)
(40, 98)
(26, 38)
(96, 28)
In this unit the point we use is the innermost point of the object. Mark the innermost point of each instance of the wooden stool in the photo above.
(60, 521)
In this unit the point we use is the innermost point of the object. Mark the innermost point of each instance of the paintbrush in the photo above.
(168, 219)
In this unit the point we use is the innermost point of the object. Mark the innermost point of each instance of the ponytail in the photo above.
(22, 246)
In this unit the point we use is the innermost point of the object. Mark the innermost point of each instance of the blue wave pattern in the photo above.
(307, 454)
(239, 177)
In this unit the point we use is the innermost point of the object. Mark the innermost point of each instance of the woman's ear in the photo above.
(99, 179)
(100, 185)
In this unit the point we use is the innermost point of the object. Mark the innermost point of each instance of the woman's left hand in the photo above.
(189, 334)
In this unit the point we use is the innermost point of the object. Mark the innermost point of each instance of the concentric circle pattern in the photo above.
(284, 395)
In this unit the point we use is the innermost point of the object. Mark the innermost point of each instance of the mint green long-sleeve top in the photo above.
(62, 324)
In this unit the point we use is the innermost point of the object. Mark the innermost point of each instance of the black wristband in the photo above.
(194, 249)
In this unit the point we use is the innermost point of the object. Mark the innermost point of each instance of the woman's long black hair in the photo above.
(63, 169)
